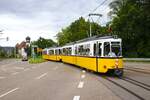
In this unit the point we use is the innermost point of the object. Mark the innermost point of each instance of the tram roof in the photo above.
(93, 38)
(98, 37)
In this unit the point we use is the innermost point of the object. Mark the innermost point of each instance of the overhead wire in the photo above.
(99, 5)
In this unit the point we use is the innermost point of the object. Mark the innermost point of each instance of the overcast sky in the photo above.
(45, 18)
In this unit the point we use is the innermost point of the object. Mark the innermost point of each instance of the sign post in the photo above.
(34, 50)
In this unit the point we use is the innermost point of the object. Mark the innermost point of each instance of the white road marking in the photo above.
(8, 92)
(26, 69)
(18, 67)
(33, 67)
(82, 76)
(81, 84)
(83, 71)
(1, 77)
(9, 64)
(15, 73)
(3, 69)
(56, 68)
(41, 76)
(76, 98)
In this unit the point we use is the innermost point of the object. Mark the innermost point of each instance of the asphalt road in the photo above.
(50, 81)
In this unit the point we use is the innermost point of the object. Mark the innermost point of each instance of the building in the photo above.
(20, 49)
(7, 51)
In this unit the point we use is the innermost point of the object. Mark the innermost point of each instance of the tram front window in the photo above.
(116, 48)
(113, 50)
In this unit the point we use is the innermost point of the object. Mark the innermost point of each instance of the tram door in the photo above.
(97, 53)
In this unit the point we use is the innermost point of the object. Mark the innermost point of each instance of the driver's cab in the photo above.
(112, 48)
(107, 48)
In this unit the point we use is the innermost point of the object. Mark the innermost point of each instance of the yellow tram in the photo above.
(99, 54)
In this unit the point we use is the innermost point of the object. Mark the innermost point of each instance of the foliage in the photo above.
(44, 43)
(78, 30)
(5, 53)
(36, 60)
(131, 21)
(2, 54)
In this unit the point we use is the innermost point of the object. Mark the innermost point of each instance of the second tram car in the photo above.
(99, 54)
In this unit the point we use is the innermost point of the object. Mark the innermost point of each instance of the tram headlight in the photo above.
(105, 66)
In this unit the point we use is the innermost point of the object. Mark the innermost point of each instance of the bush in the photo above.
(36, 60)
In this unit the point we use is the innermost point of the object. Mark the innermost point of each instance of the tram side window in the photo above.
(64, 51)
(76, 52)
(94, 49)
(80, 50)
(106, 48)
(59, 51)
(56, 52)
(84, 50)
(44, 52)
(69, 51)
(88, 49)
(100, 50)
(51, 52)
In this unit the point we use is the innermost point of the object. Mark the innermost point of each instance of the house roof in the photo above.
(21, 45)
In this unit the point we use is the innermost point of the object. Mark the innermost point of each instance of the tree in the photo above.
(44, 43)
(77, 30)
(131, 21)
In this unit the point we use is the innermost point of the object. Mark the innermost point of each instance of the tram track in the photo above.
(140, 70)
(124, 88)
(134, 87)
(137, 83)
(137, 88)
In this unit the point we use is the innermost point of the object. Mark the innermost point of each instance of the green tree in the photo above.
(77, 30)
(44, 43)
(131, 21)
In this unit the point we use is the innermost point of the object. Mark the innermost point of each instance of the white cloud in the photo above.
(43, 18)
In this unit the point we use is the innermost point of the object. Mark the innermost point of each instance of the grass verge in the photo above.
(36, 60)
(142, 61)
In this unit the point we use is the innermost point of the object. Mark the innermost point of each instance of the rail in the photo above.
(136, 59)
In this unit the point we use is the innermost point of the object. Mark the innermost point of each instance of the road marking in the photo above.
(82, 76)
(6, 65)
(18, 67)
(1, 77)
(15, 73)
(76, 98)
(41, 76)
(33, 67)
(3, 69)
(81, 84)
(8, 92)
(83, 71)
(56, 68)
(26, 69)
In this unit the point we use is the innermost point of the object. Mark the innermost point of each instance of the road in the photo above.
(50, 81)
(57, 81)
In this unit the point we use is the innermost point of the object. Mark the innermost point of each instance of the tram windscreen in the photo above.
(116, 48)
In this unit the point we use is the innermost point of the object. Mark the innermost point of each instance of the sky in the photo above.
(43, 18)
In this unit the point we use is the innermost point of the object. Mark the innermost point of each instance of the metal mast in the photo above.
(90, 16)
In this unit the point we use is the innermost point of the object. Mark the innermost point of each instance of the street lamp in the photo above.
(28, 45)
(28, 40)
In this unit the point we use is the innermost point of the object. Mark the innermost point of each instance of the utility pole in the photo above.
(1, 31)
(90, 16)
